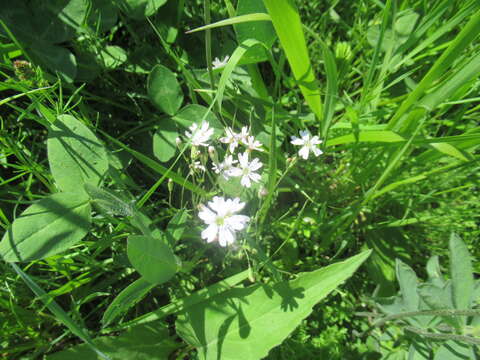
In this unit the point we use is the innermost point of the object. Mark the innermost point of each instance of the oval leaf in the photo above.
(46, 228)
(152, 258)
(75, 155)
(163, 90)
(164, 141)
(195, 114)
(250, 321)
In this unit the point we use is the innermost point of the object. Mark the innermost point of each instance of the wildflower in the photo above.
(224, 167)
(307, 143)
(197, 165)
(244, 133)
(246, 170)
(217, 63)
(252, 144)
(221, 220)
(231, 138)
(199, 135)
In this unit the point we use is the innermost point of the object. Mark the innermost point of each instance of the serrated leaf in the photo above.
(46, 228)
(164, 90)
(143, 342)
(461, 272)
(250, 321)
(127, 298)
(75, 155)
(152, 258)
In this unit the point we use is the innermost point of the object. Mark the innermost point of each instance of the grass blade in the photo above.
(287, 24)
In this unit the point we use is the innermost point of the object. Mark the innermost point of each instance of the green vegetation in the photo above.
(164, 193)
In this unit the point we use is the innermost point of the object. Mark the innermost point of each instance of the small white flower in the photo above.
(221, 220)
(197, 165)
(199, 135)
(246, 170)
(217, 63)
(224, 167)
(244, 134)
(232, 138)
(308, 144)
(252, 144)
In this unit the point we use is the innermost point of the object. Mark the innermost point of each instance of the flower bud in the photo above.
(178, 141)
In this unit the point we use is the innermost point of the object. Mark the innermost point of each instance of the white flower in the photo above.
(197, 165)
(308, 144)
(244, 133)
(199, 135)
(246, 170)
(217, 63)
(232, 139)
(224, 167)
(221, 220)
(252, 144)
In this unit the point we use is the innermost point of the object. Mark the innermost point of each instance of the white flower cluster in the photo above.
(246, 169)
(220, 215)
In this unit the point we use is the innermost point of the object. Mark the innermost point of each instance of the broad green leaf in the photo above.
(47, 227)
(143, 342)
(139, 9)
(152, 258)
(103, 15)
(129, 296)
(408, 282)
(259, 30)
(164, 141)
(108, 203)
(250, 321)
(195, 113)
(288, 26)
(461, 273)
(75, 155)
(164, 90)
(56, 59)
(453, 350)
(112, 56)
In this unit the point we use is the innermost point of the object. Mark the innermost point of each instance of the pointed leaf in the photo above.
(250, 321)
(461, 272)
(129, 296)
(46, 228)
(408, 286)
(75, 155)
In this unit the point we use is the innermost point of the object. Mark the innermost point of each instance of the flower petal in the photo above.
(303, 152)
